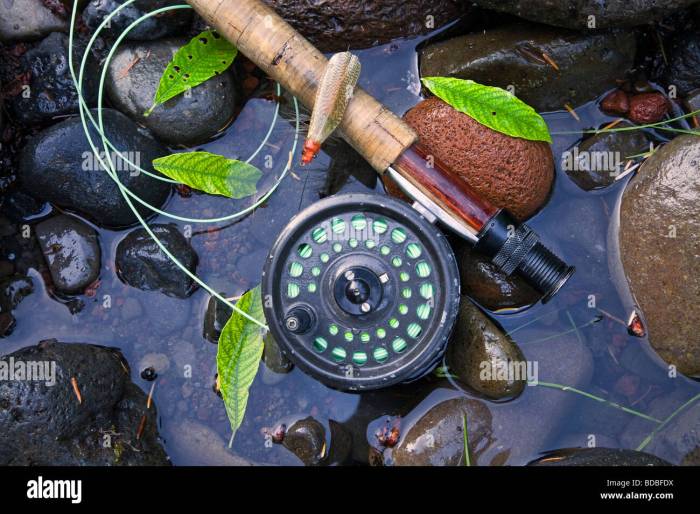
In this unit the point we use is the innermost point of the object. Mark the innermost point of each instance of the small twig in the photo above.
(627, 171)
(133, 63)
(550, 61)
(614, 318)
(612, 124)
(571, 111)
(76, 389)
(142, 425)
(149, 401)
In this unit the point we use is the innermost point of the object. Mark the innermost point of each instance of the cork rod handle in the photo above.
(283, 54)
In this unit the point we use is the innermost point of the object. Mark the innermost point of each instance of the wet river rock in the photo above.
(490, 287)
(72, 251)
(335, 25)
(142, 264)
(679, 441)
(44, 424)
(306, 438)
(51, 90)
(512, 56)
(599, 457)
(576, 14)
(215, 317)
(165, 24)
(437, 438)
(499, 433)
(659, 242)
(512, 173)
(28, 19)
(13, 289)
(480, 354)
(684, 63)
(58, 165)
(596, 162)
(132, 80)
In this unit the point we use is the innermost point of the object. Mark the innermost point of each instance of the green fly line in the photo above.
(106, 143)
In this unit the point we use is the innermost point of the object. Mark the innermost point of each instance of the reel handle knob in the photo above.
(299, 320)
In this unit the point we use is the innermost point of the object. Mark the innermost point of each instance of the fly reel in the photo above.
(361, 292)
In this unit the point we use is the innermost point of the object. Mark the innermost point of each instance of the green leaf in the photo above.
(491, 106)
(207, 54)
(238, 356)
(210, 173)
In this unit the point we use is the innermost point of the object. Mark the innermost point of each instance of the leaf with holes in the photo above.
(238, 356)
(210, 173)
(491, 106)
(206, 55)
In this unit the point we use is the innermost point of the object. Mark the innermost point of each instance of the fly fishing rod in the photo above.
(362, 291)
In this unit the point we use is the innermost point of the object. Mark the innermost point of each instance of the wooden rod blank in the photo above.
(283, 54)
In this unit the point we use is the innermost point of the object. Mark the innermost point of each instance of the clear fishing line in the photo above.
(109, 167)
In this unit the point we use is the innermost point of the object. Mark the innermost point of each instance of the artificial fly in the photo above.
(332, 97)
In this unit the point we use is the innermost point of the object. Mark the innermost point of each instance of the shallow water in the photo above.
(574, 223)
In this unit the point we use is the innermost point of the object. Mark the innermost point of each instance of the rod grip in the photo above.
(287, 57)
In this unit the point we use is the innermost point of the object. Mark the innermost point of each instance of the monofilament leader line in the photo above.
(109, 166)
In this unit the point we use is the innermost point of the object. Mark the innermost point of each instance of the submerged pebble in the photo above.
(437, 438)
(483, 357)
(72, 251)
(141, 263)
(601, 158)
(648, 108)
(490, 287)
(215, 317)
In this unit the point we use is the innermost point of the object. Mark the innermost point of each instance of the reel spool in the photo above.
(361, 292)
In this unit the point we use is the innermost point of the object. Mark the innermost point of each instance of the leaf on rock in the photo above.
(491, 106)
(206, 55)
